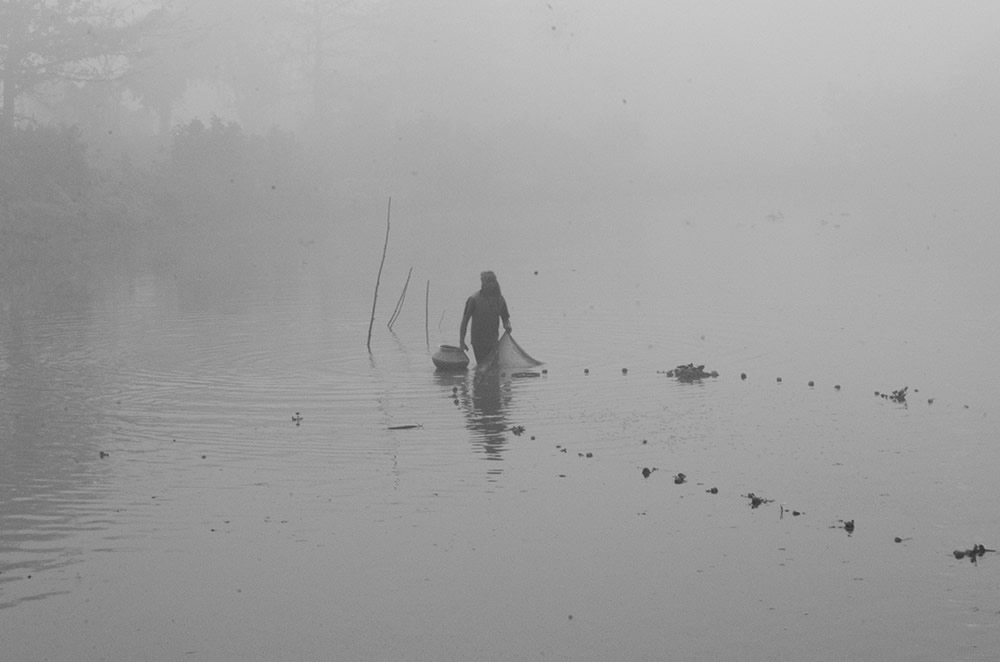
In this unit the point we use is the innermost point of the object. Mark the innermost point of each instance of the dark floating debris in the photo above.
(526, 374)
(795, 513)
(896, 396)
(846, 525)
(779, 380)
(646, 471)
(714, 490)
(105, 454)
(898, 539)
(836, 387)
(690, 373)
(518, 430)
(680, 479)
(624, 371)
(743, 375)
(972, 554)
(812, 383)
(297, 419)
(756, 501)
(411, 426)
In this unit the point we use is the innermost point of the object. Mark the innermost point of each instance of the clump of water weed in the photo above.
(845, 524)
(972, 554)
(690, 373)
(898, 396)
(756, 501)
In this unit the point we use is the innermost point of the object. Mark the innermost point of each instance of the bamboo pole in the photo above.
(385, 247)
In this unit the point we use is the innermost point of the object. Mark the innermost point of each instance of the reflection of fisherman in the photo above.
(485, 308)
(486, 413)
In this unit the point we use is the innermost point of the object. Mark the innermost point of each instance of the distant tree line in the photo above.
(99, 63)
(64, 219)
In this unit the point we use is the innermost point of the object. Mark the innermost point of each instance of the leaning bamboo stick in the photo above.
(385, 247)
(399, 304)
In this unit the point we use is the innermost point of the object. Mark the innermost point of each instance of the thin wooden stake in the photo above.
(427, 303)
(378, 279)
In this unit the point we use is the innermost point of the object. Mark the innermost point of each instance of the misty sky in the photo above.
(720, 79)
(659, 89)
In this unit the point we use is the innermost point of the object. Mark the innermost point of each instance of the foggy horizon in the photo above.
(650, 94)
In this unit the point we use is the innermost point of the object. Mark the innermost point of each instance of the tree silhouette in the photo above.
(47, 42)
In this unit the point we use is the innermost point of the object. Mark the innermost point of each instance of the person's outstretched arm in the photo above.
(466, 316)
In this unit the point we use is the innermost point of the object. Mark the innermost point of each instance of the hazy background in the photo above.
(193, 204)
(463, 106)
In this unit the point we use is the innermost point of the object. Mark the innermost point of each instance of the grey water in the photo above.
(160, 499)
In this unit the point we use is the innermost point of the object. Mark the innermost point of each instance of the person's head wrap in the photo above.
(490, 285)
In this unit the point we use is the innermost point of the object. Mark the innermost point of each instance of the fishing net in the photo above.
(508, 355)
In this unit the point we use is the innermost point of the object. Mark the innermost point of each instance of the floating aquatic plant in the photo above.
(756, 501)
(690, 373)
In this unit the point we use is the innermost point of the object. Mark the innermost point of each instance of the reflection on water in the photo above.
(484, 399)
(485, 411)
(54, 415)
(149, 450)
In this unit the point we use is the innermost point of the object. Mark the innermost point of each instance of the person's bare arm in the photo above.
(465, 324)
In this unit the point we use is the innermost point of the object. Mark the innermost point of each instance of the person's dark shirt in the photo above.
(486, 313)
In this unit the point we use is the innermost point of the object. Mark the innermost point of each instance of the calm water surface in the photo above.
(158, 502)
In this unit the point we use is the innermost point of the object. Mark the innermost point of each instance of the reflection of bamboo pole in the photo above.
(399, 304)
(385, 247)
(427, 302)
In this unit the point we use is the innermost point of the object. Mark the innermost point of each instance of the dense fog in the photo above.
(267, 123)
(544, 100)
(199, 459)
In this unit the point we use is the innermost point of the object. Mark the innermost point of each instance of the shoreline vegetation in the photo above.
(216, 193)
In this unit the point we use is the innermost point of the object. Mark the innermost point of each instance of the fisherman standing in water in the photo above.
(486, 308)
